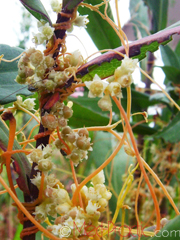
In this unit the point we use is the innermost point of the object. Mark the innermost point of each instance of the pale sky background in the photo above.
(11, 17)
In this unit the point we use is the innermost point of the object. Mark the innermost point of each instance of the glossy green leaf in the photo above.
(169, 57)
(159, 13)
(69, 5)
(106, 64)
(36, 8)
(100, 31)
(104, 144)
(171, 133)
(20, 162)
(139, 18)
(8, 72)
(172, 73)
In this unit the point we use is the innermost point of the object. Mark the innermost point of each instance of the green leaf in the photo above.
(139, 18)
(69, 5)
(177, 51)
(87, 113)
(171, 133)
(172, 73)
(159, 13)
(36, 8)
(21, 164)
(104, 144)
(170, 231)
(169, 57)
(106, 64)
(18, 231)
(8, 72)
(100, 31)
(83, 116)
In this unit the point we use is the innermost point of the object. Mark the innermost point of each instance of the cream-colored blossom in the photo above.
(75, 58)
(96, 87)
(105, 103)
(125, 80)
(29, 103)
(99, 178)
(56, 6)
(81, 21)
(91, 207)
(114, 88)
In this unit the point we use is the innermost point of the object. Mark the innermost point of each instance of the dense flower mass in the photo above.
(57, 204)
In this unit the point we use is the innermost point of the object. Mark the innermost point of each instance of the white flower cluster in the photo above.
(122, 78)
(56, 6)
(45, 32)
(73, 220)
(27, 103)
(43, 158)
(37, 69)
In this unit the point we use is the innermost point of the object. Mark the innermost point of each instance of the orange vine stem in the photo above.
(30, 135)
(76, 183)
(16, 151)
(12, 130)
(140, 163)
(5, 191)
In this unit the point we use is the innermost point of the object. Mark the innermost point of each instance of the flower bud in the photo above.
(67, 112)
(129, 151)
(36, 58)
(49, 61)
(20, 80)
(36, 155)
(65, 131)
(45, 165)
(105, 103)
(83, 143)
(83, 132)
(49, 121)
(62, 122)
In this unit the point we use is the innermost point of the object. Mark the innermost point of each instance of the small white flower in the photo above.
(19, 100)
(91, 207)
(29, 103)
(96, 87)
(81, 21)
(125, 80)
(75, 58)
(123, 73)
(47, 31)
(56, 6)
(128, 65)
(105, 103)
(38, 38)
(114, 88)
(99, 178)
(55, 229)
